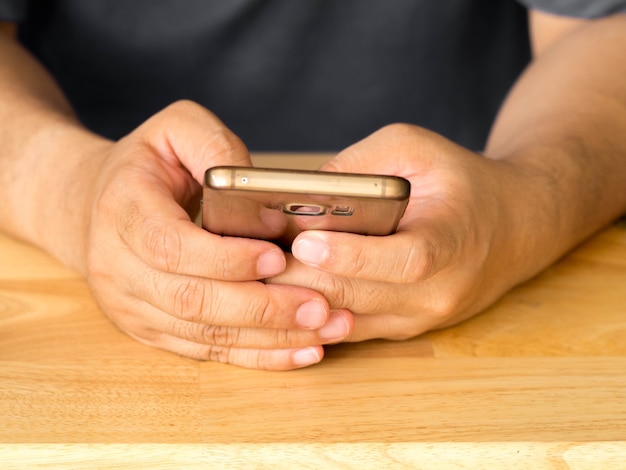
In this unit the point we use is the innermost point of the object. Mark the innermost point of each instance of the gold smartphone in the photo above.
(277, 204)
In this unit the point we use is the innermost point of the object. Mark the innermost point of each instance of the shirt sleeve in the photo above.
(13, 10)
(577, 8)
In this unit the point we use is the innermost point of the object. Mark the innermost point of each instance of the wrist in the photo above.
(63, 160)
(545, 217)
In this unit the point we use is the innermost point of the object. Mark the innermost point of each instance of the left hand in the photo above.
(455, 251)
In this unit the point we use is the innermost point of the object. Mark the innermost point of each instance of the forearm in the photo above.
(563, 129)
(44, 157)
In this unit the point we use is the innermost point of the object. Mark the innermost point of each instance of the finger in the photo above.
(146, 322)
(356, 295)
(407, 256)
(173, 243)
(391, 327)
(231, 304)
(157, 322)
(379, 310)
(444, 300)
(188, 133)
(267, 359)
(147, 206)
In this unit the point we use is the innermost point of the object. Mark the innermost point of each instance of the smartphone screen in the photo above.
(277, 204)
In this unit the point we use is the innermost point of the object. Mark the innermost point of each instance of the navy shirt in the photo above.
(284, 74)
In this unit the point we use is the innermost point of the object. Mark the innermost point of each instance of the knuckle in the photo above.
(219, 140)
(284, 339)
(174, 111)
(181, 108)
(222, 142)
(183, 329)
(446, 304)
(221, 267)
(260, 312)
(399, 129)
(218, 354)
(218, 335)
(359, 261)
(164, 246)
(400, 132)
(192, 298)
(338, 290)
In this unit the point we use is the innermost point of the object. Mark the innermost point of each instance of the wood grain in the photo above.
(536, 381)
(401, 455)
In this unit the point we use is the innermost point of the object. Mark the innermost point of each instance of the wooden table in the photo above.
(537, 381)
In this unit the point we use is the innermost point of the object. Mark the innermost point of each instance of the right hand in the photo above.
(167, 282)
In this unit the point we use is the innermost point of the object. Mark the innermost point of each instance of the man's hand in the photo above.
(456, 250)
(167, 282)
(116, 212)
(476, 226)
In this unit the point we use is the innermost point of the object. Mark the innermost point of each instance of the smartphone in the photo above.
(277, 204)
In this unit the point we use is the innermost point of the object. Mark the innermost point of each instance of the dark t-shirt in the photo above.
(288, 74)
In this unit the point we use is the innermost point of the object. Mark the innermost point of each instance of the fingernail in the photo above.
(336, 329)
(306, 357)
(270, 264)
(310, 250)
(312, 314)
